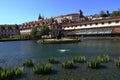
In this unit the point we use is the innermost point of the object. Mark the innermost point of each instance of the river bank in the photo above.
(100, 38)
(63, 40)
(5, 40)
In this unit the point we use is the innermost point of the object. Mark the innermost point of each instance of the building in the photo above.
(9, 30)
(70, 17)
(76, 25)
(94, 28)
(26, 28)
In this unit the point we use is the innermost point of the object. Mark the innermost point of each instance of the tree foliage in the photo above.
(33, 32)
(103, 14)
(39, 31)
(115, 13)
(60, 35)
(44, 30)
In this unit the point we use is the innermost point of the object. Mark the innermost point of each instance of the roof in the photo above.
(92, 21)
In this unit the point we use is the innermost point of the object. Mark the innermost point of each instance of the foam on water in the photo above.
(63, 50)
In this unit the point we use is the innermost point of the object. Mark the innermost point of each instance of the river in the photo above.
(15, 52)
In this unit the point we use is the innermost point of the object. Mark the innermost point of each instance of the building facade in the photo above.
(53, 25)
(70, 25)
(78, 16)
(9, 30)
(94, 28)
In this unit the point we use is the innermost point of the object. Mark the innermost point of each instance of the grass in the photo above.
(28, 63)
(42, 69)
(93, 64)
(11, 73)
(0, 67)
(46, 69)
(53, 60)
(68, 65)
(79, 59)
(103, 58)
(117, 62)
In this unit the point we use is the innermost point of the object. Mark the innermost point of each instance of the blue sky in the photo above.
(20, 11)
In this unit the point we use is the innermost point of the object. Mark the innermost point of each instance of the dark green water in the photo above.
(14, 53)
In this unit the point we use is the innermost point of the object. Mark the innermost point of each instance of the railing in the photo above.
(95, 31)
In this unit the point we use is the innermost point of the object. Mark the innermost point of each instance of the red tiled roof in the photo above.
(36, 23)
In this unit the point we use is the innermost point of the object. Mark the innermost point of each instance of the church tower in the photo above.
(80, 14)
(39, 17)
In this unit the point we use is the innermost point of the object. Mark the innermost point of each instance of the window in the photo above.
(85, 24)
(102, 23)
(90, 24)
(96, 23)
(109, 22)
(116, 21)
(75, 26)
(53, 33)
(67, 26)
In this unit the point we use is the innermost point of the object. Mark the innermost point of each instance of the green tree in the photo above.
(33, 32)
(103, 14)
(60, 34)
(115, 14)
(44, 30)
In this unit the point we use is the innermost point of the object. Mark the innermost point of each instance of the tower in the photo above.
(80, 14)
(39, 17)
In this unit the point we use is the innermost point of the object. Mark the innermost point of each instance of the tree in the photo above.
(96, 15)
(33, 32)
(60, 34)
(115, 14)
(44, 30)
(103, 14)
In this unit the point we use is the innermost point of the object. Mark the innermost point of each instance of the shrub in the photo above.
(42, 69)
(68, 65)
(28, 63)
(117, 62)
(93, 64)
(80, 59)
(53, 60)
(103, 58)
(11, 73)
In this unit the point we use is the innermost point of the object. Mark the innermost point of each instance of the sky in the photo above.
(21, 11)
